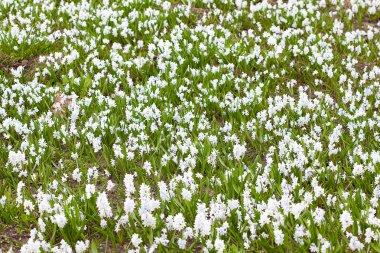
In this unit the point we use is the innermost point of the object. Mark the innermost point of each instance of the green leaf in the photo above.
(94, 246)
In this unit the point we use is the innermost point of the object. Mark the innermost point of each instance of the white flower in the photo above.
(103, 206)
(77, 174)
(345, 220)
(32, 246)
(60, 219)
(318, 215)
(3, 199)
(278, 236)
(201, 223)
(103, 223)
(355, 244)
(166, 5)
(177, 222)
(147, 167)
(164, 193)
(186, 194)
(129, 185)
(81, 246)
(16, 158)
(17, 72)
(358, 169)
(129, 205)
(219, 245)
(182, 243)
(136, 240)
(90, 190)
(239, 151)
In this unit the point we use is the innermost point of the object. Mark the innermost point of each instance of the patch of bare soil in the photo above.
(7, 63)
(199, 12)
(10, 237)
(103, 247)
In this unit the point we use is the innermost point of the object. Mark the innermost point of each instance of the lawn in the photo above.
(189, 126)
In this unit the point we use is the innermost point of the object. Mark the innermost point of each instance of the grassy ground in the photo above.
(215, 126)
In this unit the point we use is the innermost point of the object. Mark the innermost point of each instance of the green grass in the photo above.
(180, 89)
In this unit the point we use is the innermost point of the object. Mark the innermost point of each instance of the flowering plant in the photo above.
(196, 125)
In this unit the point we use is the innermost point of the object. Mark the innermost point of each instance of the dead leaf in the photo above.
(61, 103)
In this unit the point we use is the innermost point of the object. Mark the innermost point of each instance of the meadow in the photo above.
(189, 126)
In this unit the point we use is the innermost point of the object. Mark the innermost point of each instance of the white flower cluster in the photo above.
(205, 125)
